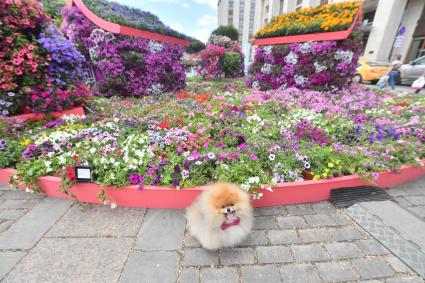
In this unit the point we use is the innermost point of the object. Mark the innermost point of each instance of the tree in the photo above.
(229, 31)
(195, 46)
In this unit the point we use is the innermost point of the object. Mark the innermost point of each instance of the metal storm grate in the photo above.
(345, 197)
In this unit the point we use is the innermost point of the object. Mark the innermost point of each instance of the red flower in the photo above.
(164, 125)
(70, 173)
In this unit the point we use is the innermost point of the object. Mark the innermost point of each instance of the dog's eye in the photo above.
(231, 204)
(223, 206)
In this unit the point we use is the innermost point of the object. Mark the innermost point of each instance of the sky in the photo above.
(196, 18)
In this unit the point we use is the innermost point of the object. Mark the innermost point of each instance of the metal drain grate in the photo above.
(345, 197)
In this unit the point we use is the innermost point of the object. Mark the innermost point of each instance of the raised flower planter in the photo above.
(162, 197)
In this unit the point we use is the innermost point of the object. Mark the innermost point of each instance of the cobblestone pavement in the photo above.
(49, 240)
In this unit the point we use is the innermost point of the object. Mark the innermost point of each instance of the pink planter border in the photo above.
(324, 36)
(120, 29)
(39, 116)
(162, 197)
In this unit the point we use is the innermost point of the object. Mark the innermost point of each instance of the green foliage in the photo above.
(229, 31)
(53, 9)
(230, 63)
(195, 46)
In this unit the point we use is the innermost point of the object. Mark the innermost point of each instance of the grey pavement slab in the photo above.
(189, 275)
(330, 234)
(265, 273)
(300, 273)
(98, 220)
(18, 194)
(274, 254)
(337, 271)
(291, 222)
(5, 224)
(200, 257)
(309, 253)
(152, 267)
(300, 209)
(343, 250)
(283, 237)
(12, 214)
(162, 229)
(8, 261)
(219, 275)
(371, 247)
(28, 230)
(370, 268)
(270, 210)
(19, 203)
(255, 238)
(404, 249)
(232, 256)
(409, 226)
(264, 222)
(325, 219)
(73, 260)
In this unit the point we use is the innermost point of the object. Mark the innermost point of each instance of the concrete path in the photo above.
(49, 240)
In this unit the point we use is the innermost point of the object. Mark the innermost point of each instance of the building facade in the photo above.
(392, 26)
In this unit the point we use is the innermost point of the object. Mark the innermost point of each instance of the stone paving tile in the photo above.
(232, 256)
(4, 225)
(255, 274)
(274, 254)
(19, 203)
(300, 273)
(12, 214)
(200, 257)
(264, 222)
(343, 250)
(8, 260)
(330, 234)
(370, 268)
(283, 237)
(418, 210)
(324, 220)
(309, 253)
(219, 275)
(372, 247)
(415, 200)
(301, 209)
(323, 207)
(26, 232)
(73, 260)
(405, 279)
(189, 275)
(337, 271)
(401, 201)
(291, 222)
(18, 194)
(255, 238)
(191, 242)
(397, 264)
(98, 220)
(270, 210)
(162, 229)
(156, 267)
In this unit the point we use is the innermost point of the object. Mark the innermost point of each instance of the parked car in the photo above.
(370, 71)
(412, 71)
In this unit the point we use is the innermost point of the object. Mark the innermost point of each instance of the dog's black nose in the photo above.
(228, 210)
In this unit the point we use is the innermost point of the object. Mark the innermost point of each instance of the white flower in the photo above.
(245, 187)
(305, 47)
(266, 69)
(267, 49)
(291, 58)
(272, 157)
(319, 68)
(300, 80)
(114, 205)
(198, 162)
(155, 47)
(283, 87)
(155, 89)
(344, 55)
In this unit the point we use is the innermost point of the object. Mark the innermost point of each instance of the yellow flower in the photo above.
(25, 142)
(316, 177)
(324, 175)
(331, 165)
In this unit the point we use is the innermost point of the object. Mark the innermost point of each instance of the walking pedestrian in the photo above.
(395, 71)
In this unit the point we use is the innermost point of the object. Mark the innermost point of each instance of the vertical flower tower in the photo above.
(128, 61)
(314, 48)
(40, 70)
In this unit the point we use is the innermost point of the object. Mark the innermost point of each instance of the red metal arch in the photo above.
(124, 30)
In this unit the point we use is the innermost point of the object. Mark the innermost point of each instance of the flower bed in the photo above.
(39, 68)
(192, 138)
(326, 64)
(126, 65)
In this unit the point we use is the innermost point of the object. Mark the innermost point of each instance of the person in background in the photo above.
(395, 72)
(419, 83)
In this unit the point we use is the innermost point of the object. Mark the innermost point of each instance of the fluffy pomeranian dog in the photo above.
(220, 217)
